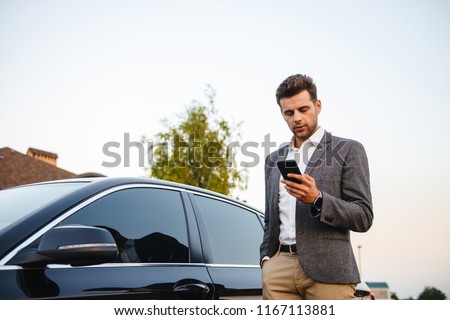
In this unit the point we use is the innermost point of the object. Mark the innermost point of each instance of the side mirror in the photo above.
(78, 245)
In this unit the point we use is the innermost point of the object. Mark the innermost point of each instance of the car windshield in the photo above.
(16, 203)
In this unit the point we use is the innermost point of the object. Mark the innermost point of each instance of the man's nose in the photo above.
(298, 117)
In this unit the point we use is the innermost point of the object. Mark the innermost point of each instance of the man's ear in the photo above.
(318, 106)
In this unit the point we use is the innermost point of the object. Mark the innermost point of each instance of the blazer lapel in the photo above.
(317, 156)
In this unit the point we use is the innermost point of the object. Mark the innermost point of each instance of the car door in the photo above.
(158, 251)
(231, 234)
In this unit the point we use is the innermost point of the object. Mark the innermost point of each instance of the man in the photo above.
(306, 251)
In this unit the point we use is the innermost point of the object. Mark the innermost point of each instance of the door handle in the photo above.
(195, 288)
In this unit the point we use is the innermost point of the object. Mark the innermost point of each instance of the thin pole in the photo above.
(359, 258)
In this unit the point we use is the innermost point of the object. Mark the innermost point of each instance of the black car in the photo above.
(126, 238)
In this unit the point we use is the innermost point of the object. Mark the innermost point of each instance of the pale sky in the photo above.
(75, 75)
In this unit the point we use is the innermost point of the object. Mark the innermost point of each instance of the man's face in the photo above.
(300, 113)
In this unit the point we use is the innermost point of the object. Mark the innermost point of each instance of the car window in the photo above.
(15, 203)
(233, 234)
(148, 225)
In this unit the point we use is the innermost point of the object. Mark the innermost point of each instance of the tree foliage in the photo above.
(394, 296)
(195, 150)
(431, 293)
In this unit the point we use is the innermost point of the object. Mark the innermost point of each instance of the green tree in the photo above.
(394, 296)
(196, 150)
(431, 293)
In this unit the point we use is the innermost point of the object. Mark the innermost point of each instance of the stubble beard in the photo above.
(303, 136)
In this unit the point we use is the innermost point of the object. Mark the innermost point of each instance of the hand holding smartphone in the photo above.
(288, 166)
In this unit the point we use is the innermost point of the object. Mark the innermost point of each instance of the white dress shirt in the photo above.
(287, 202)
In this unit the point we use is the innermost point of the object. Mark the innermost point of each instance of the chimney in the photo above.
(45, 156)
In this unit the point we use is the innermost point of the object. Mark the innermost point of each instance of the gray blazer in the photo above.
(340, 169)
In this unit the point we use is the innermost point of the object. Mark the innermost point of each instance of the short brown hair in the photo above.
(294, 84)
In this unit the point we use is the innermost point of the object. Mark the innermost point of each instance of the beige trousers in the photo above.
(284, 279)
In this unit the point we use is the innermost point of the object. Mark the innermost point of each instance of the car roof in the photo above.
(107, 182)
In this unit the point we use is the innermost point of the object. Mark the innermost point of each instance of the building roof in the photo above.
(17, 168)
(377, 285)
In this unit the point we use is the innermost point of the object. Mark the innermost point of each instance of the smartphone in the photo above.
(288, 166)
